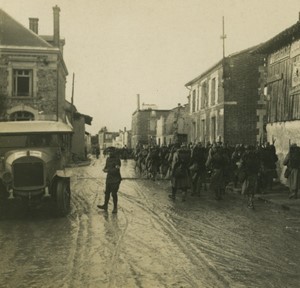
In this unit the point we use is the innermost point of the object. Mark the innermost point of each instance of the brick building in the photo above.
(32, 71)
(282, 89)
(144, 126)
(225, 103)
(144, 123)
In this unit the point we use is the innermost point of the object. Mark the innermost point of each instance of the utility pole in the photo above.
(223, 36)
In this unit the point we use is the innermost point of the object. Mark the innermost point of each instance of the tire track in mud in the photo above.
(81, 208)
(112, 271)
(246, 261)
(83, 204)
(194, 255)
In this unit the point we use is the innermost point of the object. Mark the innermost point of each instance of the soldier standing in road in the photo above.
(113, 180)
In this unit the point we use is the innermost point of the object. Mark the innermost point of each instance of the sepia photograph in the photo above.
(149, 144)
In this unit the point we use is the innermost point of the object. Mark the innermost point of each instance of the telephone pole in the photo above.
(223, 36)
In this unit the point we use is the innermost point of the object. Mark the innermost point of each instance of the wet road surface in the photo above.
(151, 242)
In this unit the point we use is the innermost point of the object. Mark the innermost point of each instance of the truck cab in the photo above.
(33, 160)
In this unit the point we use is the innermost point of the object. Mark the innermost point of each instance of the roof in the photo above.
(87, 119)
(31, 127)
(219, 63)
(282, 39)
(12, 33)
(69, 107)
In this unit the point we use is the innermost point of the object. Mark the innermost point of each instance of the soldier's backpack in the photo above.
(251, 163)
(184, 157)
(294, 157)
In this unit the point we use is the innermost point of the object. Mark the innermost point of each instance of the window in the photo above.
(198, 99)
(213, 91)
(22, 83)
(194, 101)
(204, 88)
(21, 116)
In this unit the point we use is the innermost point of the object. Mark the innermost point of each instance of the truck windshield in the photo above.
(23, 141)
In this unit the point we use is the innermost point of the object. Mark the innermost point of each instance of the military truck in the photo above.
(33, 160)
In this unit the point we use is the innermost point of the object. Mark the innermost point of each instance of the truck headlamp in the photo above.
(7, 177)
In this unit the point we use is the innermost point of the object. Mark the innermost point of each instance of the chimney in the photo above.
(138, 102)
(34, 25)
(56, 36)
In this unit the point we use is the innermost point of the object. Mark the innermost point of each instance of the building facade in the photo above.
(225, 103)
(32, 71)
(173, 127)
(144, 126)
(282, 90)
(79, 144)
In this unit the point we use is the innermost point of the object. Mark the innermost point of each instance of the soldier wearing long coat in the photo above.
(218, 162)
(180, 178)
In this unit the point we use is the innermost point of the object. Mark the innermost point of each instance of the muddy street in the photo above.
(151, 242)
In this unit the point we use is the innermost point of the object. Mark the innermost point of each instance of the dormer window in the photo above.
(22, 83)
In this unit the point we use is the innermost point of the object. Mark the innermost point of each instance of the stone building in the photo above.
(79, 144)
(282, 89)
(144, 126)
(32, 71)
(225, 103)
(123, 139)
(173, 127)
(106, 138)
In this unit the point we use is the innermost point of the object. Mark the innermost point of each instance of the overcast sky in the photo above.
(120, 48)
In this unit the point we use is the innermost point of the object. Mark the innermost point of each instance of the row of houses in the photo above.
(249, 97)
(224, 104)
(33, 78)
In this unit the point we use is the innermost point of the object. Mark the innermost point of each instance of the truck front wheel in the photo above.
(63, 197)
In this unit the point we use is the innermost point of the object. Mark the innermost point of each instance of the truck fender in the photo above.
(63, 173)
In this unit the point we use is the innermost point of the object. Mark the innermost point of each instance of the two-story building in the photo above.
(144, 124)
(32, 71)
(225, 103)
(282, 89)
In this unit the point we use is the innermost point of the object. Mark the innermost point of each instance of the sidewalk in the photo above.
(278, 196)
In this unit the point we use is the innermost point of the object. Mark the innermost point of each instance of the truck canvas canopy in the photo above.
(31, 127)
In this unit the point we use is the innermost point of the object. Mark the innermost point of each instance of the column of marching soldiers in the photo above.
(213, 167)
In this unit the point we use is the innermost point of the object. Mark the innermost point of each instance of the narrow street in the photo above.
(151, 242)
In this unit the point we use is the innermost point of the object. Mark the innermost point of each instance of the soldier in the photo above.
(292, 161)
(218, 161)
(250, 163)
(198, 169)
(180, 178)
(113, 180)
